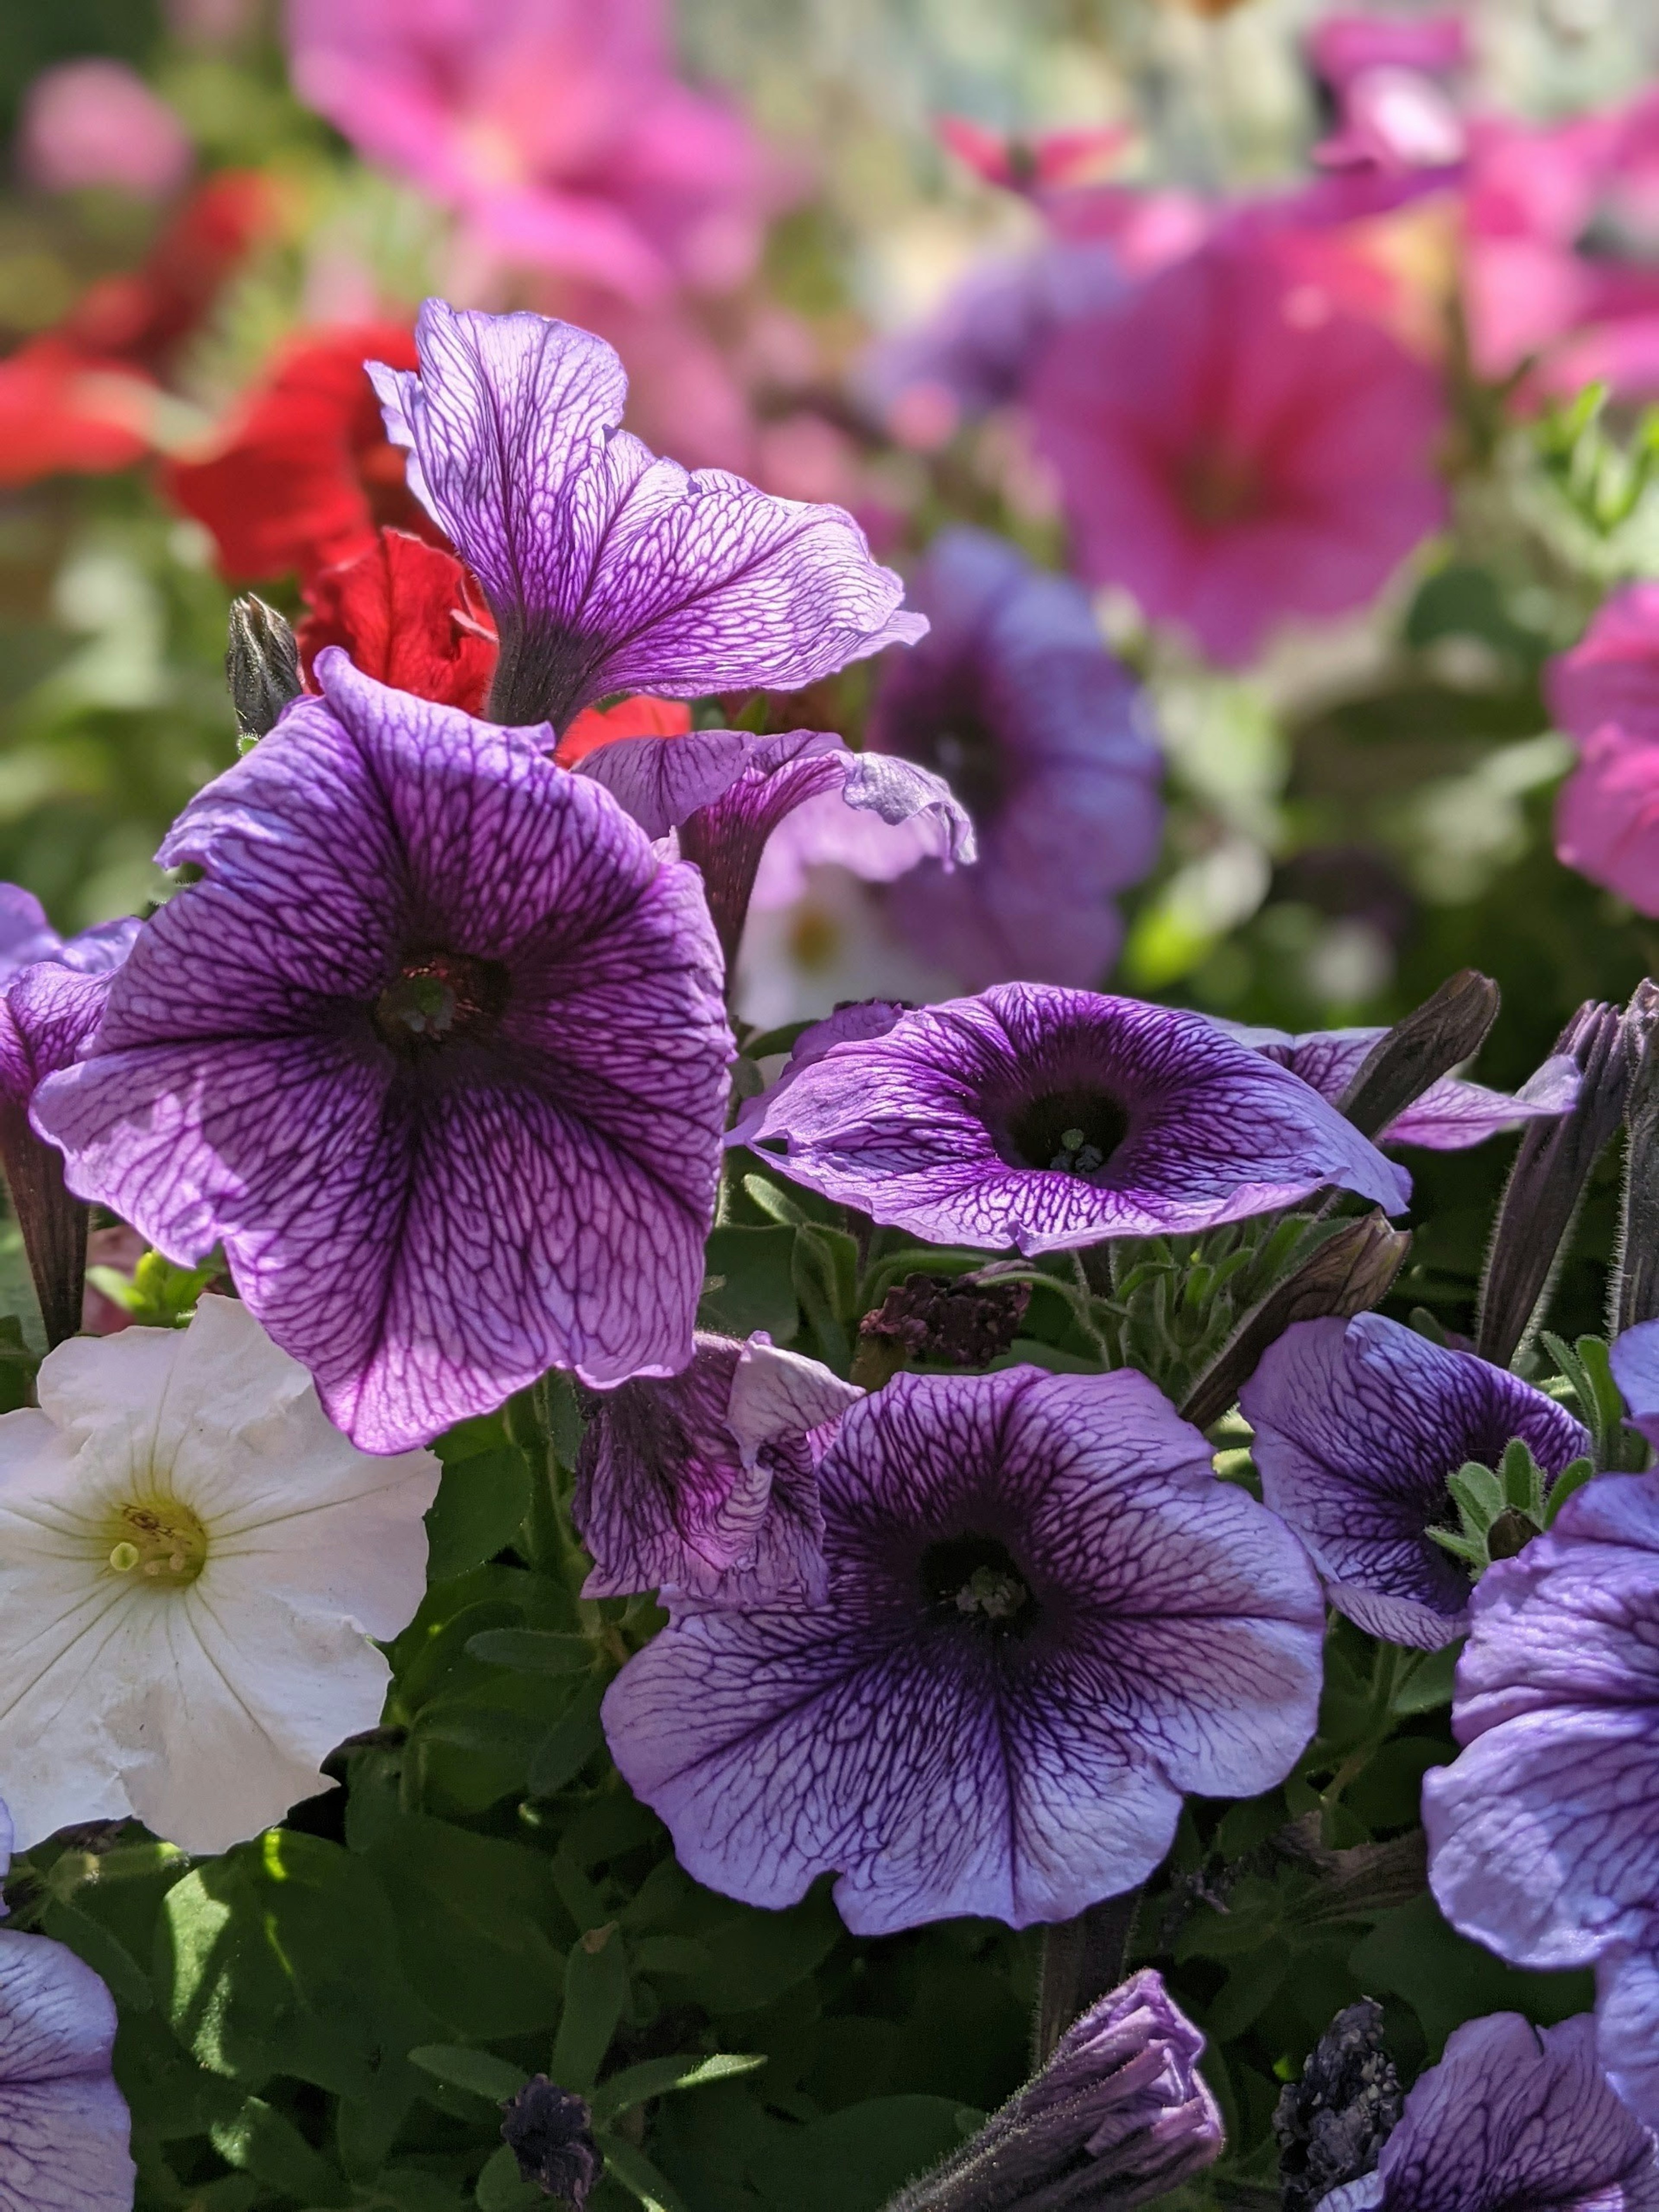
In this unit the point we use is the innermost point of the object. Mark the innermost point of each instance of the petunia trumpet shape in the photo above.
(1514, 2117)
(704, 1486)
(1044, 1620)
(1044, 1119)
(1357, 1425)
(607, 569)
(1542, 1844)
(192, 1563)
(1014, 699)
(435, 1053)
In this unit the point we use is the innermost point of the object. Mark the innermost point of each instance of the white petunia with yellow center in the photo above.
(193, 1561)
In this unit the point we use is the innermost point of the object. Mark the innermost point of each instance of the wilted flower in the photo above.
(1513, 2116)
(1015, 701)
(1357, 1425)
(452, 1122)
(551, 2132)
(557, 129)
(1332, 2123)
(96, 122)
(1542, 1838)
(192, 1563)
(703, 1485)
(1044, 1119)
(1235, 447)
(607, 569)
(1605, 694)
(1118, 2116)
(1045, 1620)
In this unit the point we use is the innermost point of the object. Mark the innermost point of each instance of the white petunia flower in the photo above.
(193, 1561)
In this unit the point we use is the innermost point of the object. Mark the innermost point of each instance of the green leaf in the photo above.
(103, 1951)
(855, 2159)
(456, 2065)
(1412, 1953)
(657, 2077)
(595, 1992)
(531, 1650)
(502, 2188)
(480, 1506)
(1429, 1684)
(629, 2164)
(750, 1283)
(260, 2141)
(567, 1748)
(776, 1204)
(1572, 1479)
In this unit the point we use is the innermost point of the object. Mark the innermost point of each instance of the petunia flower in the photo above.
(557, 130)
(1119, 2116)
(1045, 1620)
(727, 794)
(1045, 1119)
(1605, 695)
(1633, 1357)
(1514, 2116)
(1357, 1425)
(1045, 737)
(1236, 447)
(300, 474)
(607, 569)
(1542, 1842)
(192, 1563)
(1451, 1115)
(1389, 79)
(96, 121)
(65, 2128)
(703, 1486)
(435, 1051)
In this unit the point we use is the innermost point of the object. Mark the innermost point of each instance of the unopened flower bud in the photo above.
(1118, 2117)
(550, 2132)
(262, 665)
(1547, 1185)
(1332, 2125)
(1429, 1042)
(942, 1321)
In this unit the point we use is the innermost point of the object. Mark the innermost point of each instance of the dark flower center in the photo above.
(973, 1579)
(437, 997)
(964, 749)
(1075, 1131)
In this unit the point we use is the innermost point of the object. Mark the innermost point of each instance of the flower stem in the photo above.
(1082, 1959)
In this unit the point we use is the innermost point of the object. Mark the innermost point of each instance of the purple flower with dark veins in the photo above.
(1514, 2118)
(1634, 1358)
(26, 936)
(724, 794)
(1044, 1620)
(1014, 699)
(704, 1486)
(606, 569)
(1451, 1114)
(435, 1051)
(1357, 1425)
(1044, 1119)
(1544, 1832)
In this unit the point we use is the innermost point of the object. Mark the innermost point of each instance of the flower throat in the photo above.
(438, 997)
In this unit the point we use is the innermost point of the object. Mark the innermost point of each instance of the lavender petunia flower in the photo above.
(724, 794)
(1014, 698)
(1514, 2118)
(703, 1486)
(1045, 1119)
(1451, 1114)
(1045, 1620)
(606, 569)
(1634, 1359)
(1118, 2116)
(436, 1053)
(1542, 1840)
(26, 936)
(1357, 1425)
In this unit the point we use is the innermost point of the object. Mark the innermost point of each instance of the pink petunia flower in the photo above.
(1605, 694)
(1390, 78)
(1234, 446)
(96, 122)
(555, 128)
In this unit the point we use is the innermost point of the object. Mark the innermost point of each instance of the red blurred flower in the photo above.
(640, 716)
(301, 475)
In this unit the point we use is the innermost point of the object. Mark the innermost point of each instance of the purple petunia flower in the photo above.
(1015, 700)
(703, 1486)
(1045, 1119)
(1543, 1843)
(26, 936)
(607, 569)
(436, 1053)
(1634, 1359)
(1357, 1425)
(1045, 1620)
(724, 794)
(1514, 2118)
(1451, 1114)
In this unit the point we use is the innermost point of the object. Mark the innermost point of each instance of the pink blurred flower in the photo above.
(1562, 226)
(97, 122)
(1389, 76)
(1234, 446)
(1605, 695)
(554, 127)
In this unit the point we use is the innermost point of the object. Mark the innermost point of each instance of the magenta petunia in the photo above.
(1044, 1119)
(1045, 1620)
(607, 569)
(1605, 694)
(1235, 447)
(436, 1054)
